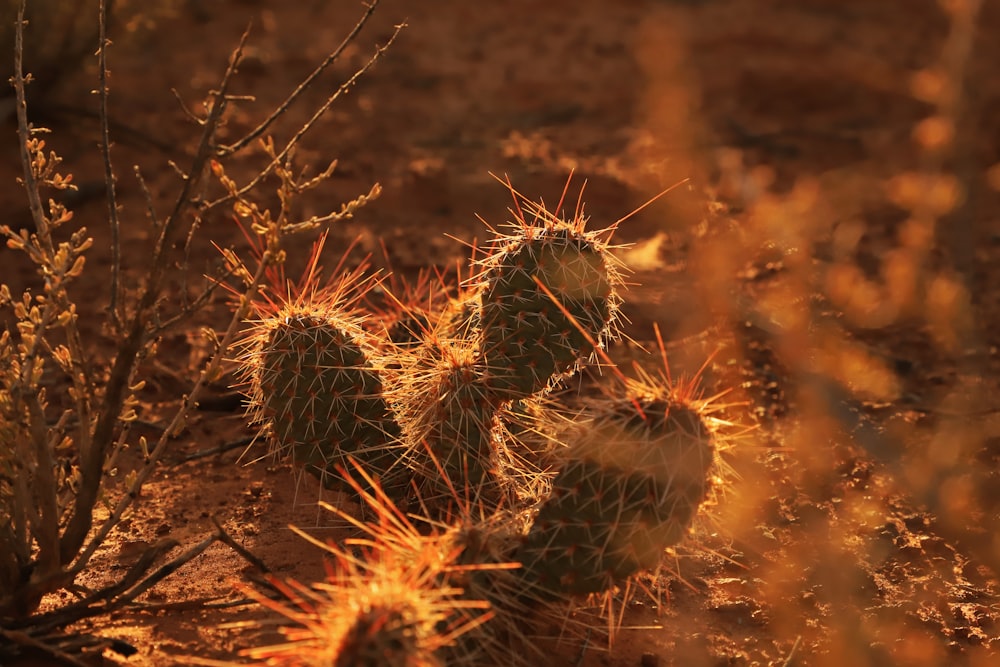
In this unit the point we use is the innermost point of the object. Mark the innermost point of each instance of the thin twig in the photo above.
(135, 583)
(192, 307)
(224, 151)
(228, 540)
(24, 133)
(147, 195)
(162, 573)
(301, 132)
(109, 174)
(97, 600)
(221, 449)
(25, 640)
(199, 604)
(791, 653)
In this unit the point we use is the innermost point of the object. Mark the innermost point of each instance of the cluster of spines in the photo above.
(391, 605)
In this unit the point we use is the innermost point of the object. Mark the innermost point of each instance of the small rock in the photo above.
(649, 660)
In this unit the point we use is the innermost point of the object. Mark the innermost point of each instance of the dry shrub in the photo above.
(57, 464)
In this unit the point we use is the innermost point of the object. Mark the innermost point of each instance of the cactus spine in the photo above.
(390, 608)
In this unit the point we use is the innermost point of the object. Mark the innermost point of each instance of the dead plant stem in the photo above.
(24, 133)
(301, 132)
(189, 403)
(258, 131)
(109, 174)
(91, 469)
(46, 519)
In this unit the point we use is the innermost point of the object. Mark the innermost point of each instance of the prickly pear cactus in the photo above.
(548, 296)
(448, 415)
(387, 603)
(318, 395)
(629, 488)
(384, 636)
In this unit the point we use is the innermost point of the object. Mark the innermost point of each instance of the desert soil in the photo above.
(819, 551)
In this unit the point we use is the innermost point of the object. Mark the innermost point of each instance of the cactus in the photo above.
(549, 295)
(630, 487)
(553, 504)
(388, 606)
(448, 416)
(505, 339)
(316, 389)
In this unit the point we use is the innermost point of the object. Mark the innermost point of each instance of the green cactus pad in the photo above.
(314, 388)
(533, 335)
(630, 488)
(448, 415)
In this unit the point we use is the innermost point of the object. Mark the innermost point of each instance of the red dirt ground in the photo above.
(817, 553)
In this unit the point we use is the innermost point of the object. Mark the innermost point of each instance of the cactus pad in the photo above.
(629, 489)
(314, 387)
(448, 416)
(549, 295)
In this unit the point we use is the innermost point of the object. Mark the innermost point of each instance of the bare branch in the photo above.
(280, 157)
(25, 640)
(24, 134)
(301, 88)
(147, 195)
(91, 469)
(109, 174)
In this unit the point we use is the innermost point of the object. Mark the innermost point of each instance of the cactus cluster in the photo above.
(453, 403)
